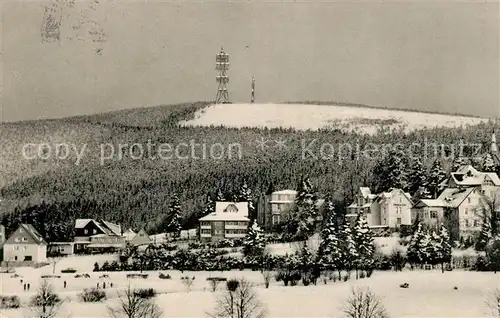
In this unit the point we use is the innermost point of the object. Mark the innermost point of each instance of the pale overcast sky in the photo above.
(426, 56)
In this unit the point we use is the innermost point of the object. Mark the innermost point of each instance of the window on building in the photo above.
(25, 239)
(476, 223)
(17, 239)
(276, 219)
(467, 223)
(466, 211)
(21, 230)
(434, 215)
(468, 199)
(94, 231)
(16, 248)
(398, 221)
(25, 248)
(86, 231)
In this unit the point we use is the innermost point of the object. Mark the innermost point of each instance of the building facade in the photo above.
(60, 248)
(25, 245)
(385, 210)
(229, 221)
(97, 235)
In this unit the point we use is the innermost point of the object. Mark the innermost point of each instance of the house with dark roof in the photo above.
(97, 235)
(25, 245)
(389, 209)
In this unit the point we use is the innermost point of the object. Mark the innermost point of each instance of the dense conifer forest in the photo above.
(52, 193)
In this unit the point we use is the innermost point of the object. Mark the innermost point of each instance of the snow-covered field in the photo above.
(430, 294)
(303, 117)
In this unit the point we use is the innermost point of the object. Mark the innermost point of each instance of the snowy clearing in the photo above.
(304, 117)
(431, 294)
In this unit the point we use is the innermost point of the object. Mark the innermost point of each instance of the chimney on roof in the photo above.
(494, 148)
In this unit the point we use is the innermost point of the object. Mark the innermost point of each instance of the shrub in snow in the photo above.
(145, 292)
(92, 295)
(163, 276)
(68, 270)
(9, 302)
(232, 284)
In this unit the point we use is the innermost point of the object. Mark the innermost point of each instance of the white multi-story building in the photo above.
(384, 210)
(25, 245)
(229, 221)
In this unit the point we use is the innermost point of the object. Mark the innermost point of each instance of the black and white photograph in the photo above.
(249, 159)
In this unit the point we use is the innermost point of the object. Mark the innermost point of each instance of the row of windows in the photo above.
(219, 224)
(429, 214)
(21, 240)
(219, 232)
(17, 248)
(86, 231)
(472, 223)
(236, 223)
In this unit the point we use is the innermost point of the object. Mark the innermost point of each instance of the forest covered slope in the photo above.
(136, 190)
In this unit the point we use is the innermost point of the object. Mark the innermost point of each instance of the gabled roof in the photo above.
(106, 227)
(231, 207)
(32, 232)
(222, 217)
(286, 191)
(431, 203)
(365, 191)
(453, 197)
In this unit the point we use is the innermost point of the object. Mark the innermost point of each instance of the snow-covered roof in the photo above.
(81, 223)
(224, 217)
(106, 227)
(365, 191)
(453, 197)
(241, 208)
(286, 191)
(433, 202)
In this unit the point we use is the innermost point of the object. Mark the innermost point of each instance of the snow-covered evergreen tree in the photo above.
(363, 239)
(484, 236)
(306, 208)
(457, 163)
(330, 248)
(488, 163)
(426, 248)
(437, 176)
(417, 178)
(220, 195)
(208, 208)
(349, 252)
(414, 253)
(390, 172)
(174, 216)
(245, 195)
(444, 246)
(254, 242)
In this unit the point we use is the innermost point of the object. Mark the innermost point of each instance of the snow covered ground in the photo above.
(430, 294)
(303, 117)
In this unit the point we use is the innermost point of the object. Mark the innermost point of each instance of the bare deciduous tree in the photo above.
(188, 282)
(132, 305)
(241, 302)
(493, 302)
(363, 303)
(46, 303)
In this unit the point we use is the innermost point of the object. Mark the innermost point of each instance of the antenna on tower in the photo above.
(253, 90)
(222, 65)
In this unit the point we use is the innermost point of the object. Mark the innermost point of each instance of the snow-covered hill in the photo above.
(304, 117)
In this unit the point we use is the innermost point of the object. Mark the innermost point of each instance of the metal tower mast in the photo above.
(222, 65)
(253, 90)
